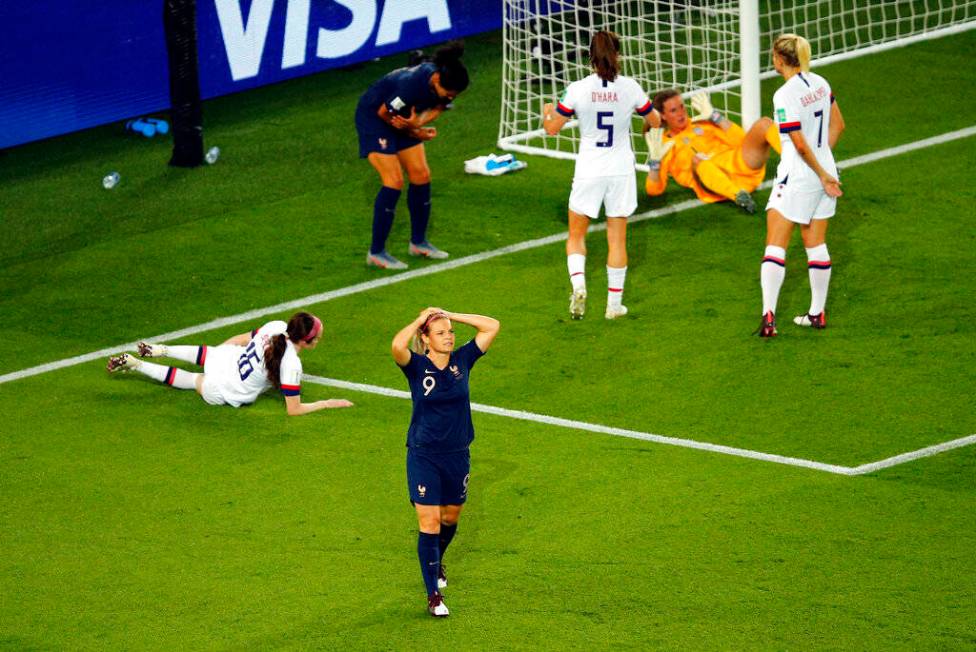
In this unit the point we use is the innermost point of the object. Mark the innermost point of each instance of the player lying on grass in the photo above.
(708, 153)
(242, 368)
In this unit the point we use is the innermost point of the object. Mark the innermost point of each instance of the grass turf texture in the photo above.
(136, 516)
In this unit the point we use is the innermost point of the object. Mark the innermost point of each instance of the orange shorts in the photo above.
(739, 173)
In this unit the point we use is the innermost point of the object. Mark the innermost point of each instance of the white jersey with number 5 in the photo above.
(803, 103)
(603, 110)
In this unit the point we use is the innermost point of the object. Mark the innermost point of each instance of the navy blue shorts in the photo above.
(377, 136)
(438, 478)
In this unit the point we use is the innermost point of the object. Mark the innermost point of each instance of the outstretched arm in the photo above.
(296, 408)
(488, 327)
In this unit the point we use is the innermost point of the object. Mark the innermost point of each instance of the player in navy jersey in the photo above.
(390, 119)
(438, 459)
(807, 188)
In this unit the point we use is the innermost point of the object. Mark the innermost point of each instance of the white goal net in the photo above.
(720, 46)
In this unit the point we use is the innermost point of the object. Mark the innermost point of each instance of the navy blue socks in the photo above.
(428, 552)
(418, 201)
(384, 208)
(447, 533)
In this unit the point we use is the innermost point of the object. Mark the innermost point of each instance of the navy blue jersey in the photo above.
(441, 421)
(400, 90)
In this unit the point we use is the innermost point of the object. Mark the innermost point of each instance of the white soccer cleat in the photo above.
(147, 350)
(615, 311)
(122, 362)
(442, 577)
(436, 606)
(384, 260)
(818, 322)
(577, 304)
(427, 250)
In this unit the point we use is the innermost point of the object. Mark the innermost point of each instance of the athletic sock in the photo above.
(716, 180)
(615, 285)
(577, 266)
(446, 536)
(195, 354)
(418, 201)
(428, 552)
(771, 275)
(772, 137)
(169, 375)
(384, 209)
(818, 267)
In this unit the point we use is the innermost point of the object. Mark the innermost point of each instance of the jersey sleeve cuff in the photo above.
(787, 127)
(644, 110)
(291, 390)
(564, 111)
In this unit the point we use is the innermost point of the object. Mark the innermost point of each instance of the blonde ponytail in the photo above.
(794, 50)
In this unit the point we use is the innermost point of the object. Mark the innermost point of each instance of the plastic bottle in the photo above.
(110, 180)
(212, 155)
(162, 127)
(141, 126)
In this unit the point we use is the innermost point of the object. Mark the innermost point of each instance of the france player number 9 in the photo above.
(429, 386)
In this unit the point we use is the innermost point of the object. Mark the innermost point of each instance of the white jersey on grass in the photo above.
(604, 110)
(238, 373)
(803, 103)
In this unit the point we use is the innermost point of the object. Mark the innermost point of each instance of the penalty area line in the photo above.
(366, 286)
(668, 441)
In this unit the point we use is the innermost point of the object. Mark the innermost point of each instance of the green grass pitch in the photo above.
(133, 516)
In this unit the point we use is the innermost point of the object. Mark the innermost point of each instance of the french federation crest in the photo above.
(454, 370)
(382, 142)
(421, 490)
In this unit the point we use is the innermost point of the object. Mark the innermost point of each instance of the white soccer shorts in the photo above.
(801, 206)
(617, 195)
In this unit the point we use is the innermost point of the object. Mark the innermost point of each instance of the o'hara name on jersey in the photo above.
(603, 96)
(813, 96)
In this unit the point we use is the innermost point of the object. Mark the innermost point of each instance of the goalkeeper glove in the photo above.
(703, 108)
(657, 149)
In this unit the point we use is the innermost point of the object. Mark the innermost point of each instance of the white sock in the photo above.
(818, 267)
(577, 266)
(615, 285)
(771, 275)
(195, 354)
(169, 375)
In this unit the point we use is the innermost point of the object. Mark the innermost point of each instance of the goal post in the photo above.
(721, 46)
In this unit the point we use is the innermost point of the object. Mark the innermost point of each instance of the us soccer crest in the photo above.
(421, 490)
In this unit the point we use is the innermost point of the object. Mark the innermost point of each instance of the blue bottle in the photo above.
(141, 126)
(162, 127)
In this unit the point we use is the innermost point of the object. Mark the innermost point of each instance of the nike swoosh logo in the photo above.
(428, 371)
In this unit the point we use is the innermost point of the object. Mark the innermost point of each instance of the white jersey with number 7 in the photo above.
(803, 103)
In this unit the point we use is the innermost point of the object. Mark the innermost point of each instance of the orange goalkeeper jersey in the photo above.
(723, 148)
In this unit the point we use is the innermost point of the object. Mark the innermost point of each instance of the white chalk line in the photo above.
(661, 439)
(258, 313)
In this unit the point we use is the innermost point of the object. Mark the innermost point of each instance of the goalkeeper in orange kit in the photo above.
(708, 152)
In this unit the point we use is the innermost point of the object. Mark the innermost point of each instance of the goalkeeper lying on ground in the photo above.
(707, 153)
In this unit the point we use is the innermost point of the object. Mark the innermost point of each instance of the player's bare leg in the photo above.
(756, 144)
(576, 262)
(818, 269)
(616, 266)
(773, 268)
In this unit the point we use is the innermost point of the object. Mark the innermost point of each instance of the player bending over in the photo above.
(708, 153)
(242, 368)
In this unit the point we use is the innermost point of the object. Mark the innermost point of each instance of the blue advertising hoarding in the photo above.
(69, 65)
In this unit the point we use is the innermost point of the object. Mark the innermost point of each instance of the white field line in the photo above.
(258, 313)
(661, 439)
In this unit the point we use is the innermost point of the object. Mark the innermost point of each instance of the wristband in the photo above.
(716, 117)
